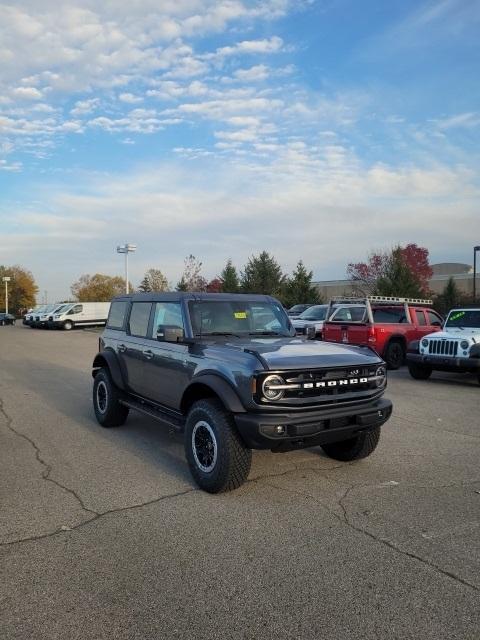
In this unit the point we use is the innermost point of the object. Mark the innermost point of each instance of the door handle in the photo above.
(148, 354)
(122, 348)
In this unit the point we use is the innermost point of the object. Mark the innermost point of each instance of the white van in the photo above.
(82, 314)
(30, 316)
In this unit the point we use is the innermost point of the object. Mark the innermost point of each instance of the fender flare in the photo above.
(222, 389)
(413, 346)
(110, 360)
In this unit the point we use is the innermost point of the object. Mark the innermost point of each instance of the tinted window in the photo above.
(434, 319)
(349, 314)
(464, 318)
(420, 318)
(117, 315)
(315, 313)
(389, 316)
(78, 308)
(139, 317)
(167, 313)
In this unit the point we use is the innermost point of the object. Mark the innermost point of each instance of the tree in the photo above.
(214, 286)
(98, 288)
(299, 288)
(417, 260)
(365, 275)
(153, 280)
(22, 289)
(398, 279)
(263, 274)
(191, 279)
(229, 278)
(451, 296)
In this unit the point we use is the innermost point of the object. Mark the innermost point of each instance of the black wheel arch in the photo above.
(109, 360)
(211, 386)
(414, 346)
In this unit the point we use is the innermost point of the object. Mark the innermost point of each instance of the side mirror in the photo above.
(311, 333)
(436, 323)
(169, 333)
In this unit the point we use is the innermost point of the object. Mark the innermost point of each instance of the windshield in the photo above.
(238, 318)
(464, 318)
(315, 313)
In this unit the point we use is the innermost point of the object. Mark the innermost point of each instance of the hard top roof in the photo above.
(176, 296)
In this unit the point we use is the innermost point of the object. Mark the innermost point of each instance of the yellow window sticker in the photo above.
(241, 315)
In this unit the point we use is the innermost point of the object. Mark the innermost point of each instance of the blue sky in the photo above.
(318, 130)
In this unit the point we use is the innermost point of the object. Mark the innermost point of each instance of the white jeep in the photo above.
(455, 348)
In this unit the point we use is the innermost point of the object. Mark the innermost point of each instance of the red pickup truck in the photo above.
(386, 324)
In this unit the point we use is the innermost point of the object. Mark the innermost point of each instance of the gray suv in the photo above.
(229, 372)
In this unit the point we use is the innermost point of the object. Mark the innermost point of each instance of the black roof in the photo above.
(176, 296)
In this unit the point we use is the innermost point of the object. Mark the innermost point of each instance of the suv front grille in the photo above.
(443, 347)
(329, 386)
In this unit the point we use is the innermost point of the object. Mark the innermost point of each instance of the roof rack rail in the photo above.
(382, 300)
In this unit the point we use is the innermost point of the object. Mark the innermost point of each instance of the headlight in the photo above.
(269, 390)
(424, 343)
(381, 375)
(464, 344)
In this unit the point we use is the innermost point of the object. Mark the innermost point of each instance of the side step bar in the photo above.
(173, 420)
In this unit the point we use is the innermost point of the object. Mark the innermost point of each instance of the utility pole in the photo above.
(126, 249)
(6, 280)
(475, 249)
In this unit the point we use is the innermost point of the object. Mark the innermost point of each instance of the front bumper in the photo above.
(310, 428)
(444, 363)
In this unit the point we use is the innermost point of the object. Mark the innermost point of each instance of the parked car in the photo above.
(297, 309)
(387, 324)
(81, 314)
(6, 318)
(44, 319)
(207, 365)
(455, 348)
(36, 322)
(312, 317)
(29, 317)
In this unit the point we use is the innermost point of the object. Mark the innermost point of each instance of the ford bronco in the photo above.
(229, 372)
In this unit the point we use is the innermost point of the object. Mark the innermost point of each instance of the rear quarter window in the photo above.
(116, 317)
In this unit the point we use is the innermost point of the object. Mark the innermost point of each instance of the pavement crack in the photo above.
(47, 469)
(345, 520)
(97, 516)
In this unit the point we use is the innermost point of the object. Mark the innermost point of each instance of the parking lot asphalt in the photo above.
(104, 535)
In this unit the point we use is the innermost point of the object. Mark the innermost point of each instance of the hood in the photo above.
(455, 333)
(296, 353)
(301, 324)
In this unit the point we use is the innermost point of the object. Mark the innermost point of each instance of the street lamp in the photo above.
(6, 280)
(475, 249)
(126, 249)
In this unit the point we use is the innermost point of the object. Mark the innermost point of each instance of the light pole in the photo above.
(475, 249)
(6, 280)
(126, 249)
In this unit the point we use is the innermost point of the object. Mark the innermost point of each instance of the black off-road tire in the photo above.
(106, 401)
(419, 371)
(356, 448)
(394, 355)
(230, 466)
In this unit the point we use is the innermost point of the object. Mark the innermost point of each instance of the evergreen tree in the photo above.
(229, 278)
(154, 280)
(450, 297)
(398, 279)
(263, 274)
(299, 288)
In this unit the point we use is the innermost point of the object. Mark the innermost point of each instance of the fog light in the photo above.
(279, 429)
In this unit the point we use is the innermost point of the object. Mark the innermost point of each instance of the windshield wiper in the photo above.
(217, 333)
(266, 333)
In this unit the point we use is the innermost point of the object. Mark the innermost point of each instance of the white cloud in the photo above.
(255, 74)
(83, 107)
(267, 45)
(465, 120)
(27, 93)
(130, 98)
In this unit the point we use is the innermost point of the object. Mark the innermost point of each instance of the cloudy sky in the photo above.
(314, 129)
